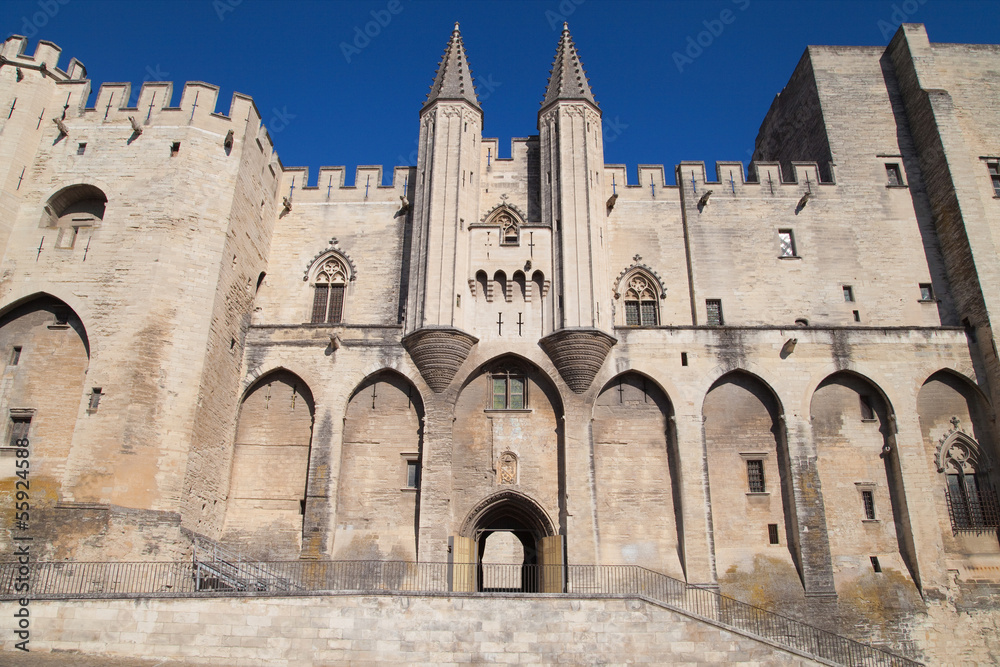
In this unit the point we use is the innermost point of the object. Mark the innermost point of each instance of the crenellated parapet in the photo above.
(692, 178)
(45, 59)
(330, 185)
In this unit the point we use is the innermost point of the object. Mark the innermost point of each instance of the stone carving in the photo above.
(508, 468)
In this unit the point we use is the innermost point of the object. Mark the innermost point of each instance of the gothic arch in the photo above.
(273, 433)
(507, 506)
(329, 277)
(317, 261)
(635, 457)
(750, 475)
(854, 430)
(958, 432)
(44, 360)
(381, 457)
(509, 221)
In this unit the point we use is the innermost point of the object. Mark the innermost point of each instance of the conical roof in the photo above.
(453, 80)
(567, 79)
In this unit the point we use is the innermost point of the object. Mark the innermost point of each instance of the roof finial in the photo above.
(453, 80)
(567, 79)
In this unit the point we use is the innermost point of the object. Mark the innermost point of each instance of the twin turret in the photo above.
(573, 325)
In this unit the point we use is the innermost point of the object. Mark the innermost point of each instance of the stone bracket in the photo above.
(438, 353)
(578, 354)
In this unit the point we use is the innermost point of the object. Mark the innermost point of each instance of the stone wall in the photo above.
(404, 630)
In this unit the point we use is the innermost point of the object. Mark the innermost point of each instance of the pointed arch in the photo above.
(957, 431)
(273, 433)
(854, 429)
(381, 460)
(640, 291)
(329, 276)
(750, 476)
(636, 460)
(509, 221)
(44, 360)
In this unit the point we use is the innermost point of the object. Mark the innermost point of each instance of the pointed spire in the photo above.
(453, 80)
(567, 79)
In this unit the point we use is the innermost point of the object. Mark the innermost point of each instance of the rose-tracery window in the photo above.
(972, 501)
(509, 233)
(640, 303)
(328, 296)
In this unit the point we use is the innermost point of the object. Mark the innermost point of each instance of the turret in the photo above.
(446, 200)
(572, 166)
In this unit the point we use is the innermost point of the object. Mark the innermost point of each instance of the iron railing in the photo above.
(976, 511)
(234, 577)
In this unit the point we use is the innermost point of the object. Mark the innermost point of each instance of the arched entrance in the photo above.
(507, 543)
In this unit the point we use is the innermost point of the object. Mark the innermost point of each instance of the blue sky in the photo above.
(342, 83)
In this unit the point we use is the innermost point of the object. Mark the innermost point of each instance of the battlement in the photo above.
(154, 106)
(331, 184)
(729, 175)
(45, 59)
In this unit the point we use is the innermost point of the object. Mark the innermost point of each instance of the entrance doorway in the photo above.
(507, 544)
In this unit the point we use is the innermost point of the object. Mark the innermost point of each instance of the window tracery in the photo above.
(640, 302)
(972, 500)
(329, 286)
(509, 230)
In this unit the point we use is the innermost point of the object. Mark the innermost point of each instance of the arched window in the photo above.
(508, 389)
(972, 501)
(640, 302)
(509, 232)
(329, 286)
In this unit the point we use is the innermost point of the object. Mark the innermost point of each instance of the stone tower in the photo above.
(447, 198)
(572, 160)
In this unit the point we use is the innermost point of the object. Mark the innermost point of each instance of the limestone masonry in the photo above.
(779, 382)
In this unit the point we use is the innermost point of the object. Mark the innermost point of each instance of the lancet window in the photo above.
(329, 287)
(972, 500)
(640, 302)
(509, 232)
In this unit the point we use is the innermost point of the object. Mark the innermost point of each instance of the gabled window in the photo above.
(328, 295)
(508, 390)
(640, 302)
(509, 232)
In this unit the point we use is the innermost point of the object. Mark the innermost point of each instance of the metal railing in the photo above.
(222, 576)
